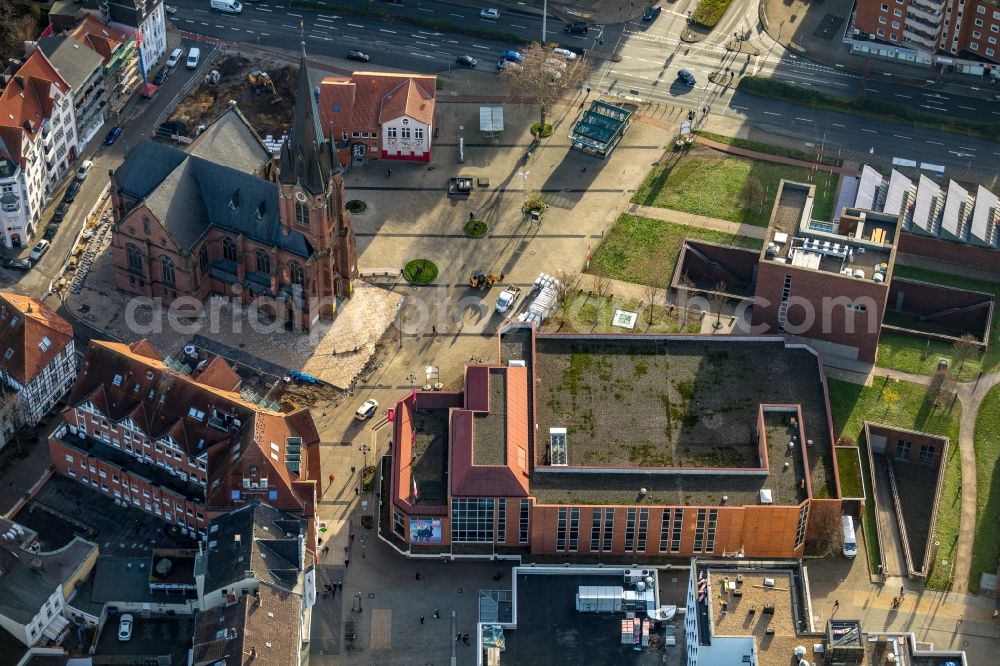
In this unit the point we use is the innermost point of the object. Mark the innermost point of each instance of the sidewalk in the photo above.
(699, 221)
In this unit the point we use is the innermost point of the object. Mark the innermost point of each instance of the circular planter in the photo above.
(356, 207)
(531, 206)
(420, 271)
(544, 133)
(476, 228)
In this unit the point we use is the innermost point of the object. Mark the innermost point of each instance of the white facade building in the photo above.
(38, 128)
(146, 16)
(37, 359)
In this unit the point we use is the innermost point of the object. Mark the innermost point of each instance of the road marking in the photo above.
(258, 21)
(514, 25)
(739, 107)
(968, 108)
(771, 113)
(871, 90)
(451, 41)
(249, 31)
(285, 25)
(933, 108)
(900, 136)
(477, 46)
(996, 153)
(966, 148)
(868, 130)
(424, 9)
(355, 25)
(456, 15)
(934, 143)
(188, 21)
(203, 23)
(391, 32)
(903, 96)
(838, 125)
(805, 120)
(326, 18)
(262, 9)
(220, 26)
(265, 34)
(418, 36)
(295, 15)
(201, 11)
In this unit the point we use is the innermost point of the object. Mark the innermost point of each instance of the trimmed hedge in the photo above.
(709, 12)
(431, 24)
(868, 107)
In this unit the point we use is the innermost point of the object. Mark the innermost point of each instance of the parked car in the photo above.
(170, 9)
(577, 28)
(17, 263)
(651, 13)
(71, 192)
(194, 55)
(39, 250)
(84, 170)
(113, 135)
(366, 410)
(490, 14)
(175, 57)
(50, 232)
(513, 56)
(466, 61)
(60, 213)
(360, 56)
(161, 75)
(125, 627)
(687, 77)
(565, 53)
(506, 64)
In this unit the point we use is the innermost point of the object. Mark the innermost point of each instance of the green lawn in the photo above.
(634, 242)
(769, 148)
(852, 404)
(914, 354)
(850, 472)
(593, 314)
(709, 12)
(986, 547)
(727, 187)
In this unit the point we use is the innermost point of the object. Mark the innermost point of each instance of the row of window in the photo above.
(262, 262)
(404, 133)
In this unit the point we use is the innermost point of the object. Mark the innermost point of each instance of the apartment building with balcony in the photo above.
(956, 34)
(83, 69)
(120, 54)
(146, 20)
(38, 131)
(184, 447)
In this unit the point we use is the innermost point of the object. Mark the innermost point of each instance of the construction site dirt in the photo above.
(269, 112)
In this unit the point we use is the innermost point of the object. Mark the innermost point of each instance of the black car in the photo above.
(72, 191)
(161, 75)
(577, 28)
(360, 56)
(466, 61)
(60, 213)
(17, 263)
(50, 232)
(651, 13)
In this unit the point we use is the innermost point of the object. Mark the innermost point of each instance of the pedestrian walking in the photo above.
(352, 538)
(347, 563)
(836, 603)
(458, 636)
(326, 549)
(363, 556)
(417, 575)
(421, 619)
(357, 491)
(388, 173)
(902, 591)
(345, 550)
(352, 470)
(437, 615)
(434, 330)
(996, 613)
(331, 478)
(465, 638)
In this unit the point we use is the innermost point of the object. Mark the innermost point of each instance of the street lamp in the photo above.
(545, 15)
(524, 186)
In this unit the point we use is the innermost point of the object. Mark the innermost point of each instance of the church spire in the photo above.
(306, 156)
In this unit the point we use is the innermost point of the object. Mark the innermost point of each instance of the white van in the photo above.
(850, 540)
(227, 6)
(194, 54)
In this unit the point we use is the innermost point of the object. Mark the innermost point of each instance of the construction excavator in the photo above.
(261, 82)
(481, 280)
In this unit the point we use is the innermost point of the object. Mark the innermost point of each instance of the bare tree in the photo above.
(752, 192)
(544, 78)
(602, 285)
(566, 287)
(966, 347)
(718, 299)
(684, 290)
(18, 24)
(825, 533)
(653, 289)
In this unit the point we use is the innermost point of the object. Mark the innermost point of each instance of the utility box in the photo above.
(599, 599)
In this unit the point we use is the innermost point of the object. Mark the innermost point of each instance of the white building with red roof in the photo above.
(379, 115)
(37, 361)
(37, 145)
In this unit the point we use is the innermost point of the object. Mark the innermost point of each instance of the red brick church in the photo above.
(226, 217)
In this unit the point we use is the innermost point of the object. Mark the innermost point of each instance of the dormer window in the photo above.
(118, 380)
(13, 321)
(234, 203)
(261, 209)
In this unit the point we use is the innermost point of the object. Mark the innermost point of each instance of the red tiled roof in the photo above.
(510, 480)
(217, 373)
(26, 102)
(131, 381)
(24, 341)
(102, 38)
(368, 99)
(261, 630)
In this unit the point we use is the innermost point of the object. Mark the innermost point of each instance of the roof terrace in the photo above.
(860, 245)
(657, 411)
(489, 429)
